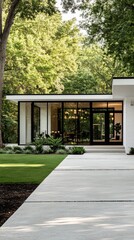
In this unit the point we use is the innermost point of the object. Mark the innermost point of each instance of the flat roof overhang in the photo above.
(123, 87)
(58, 97)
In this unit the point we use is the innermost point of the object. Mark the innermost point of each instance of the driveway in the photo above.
(87, 197)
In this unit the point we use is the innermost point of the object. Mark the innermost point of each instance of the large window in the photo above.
(36, 121)
(70, 126)
(80, 122)
(55, 123)
(83, 123)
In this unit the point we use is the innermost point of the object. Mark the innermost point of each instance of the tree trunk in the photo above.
(2, 64)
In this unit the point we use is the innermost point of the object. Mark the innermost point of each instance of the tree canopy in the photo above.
(40, 52)
(95, 72)
(111, 23)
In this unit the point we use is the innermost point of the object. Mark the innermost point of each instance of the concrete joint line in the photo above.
(94, 169)
(86, 201)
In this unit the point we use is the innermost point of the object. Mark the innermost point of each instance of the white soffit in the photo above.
(123, 87)
(49, 97)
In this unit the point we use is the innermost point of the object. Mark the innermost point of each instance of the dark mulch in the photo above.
(11, 198)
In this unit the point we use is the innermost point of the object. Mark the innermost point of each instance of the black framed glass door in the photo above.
(107, 128)
(99, 123)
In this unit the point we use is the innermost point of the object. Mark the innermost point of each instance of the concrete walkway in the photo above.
(88, 197)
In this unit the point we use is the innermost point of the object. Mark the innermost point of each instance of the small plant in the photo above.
(28, 150)
(7, 148)
(2, 151)
(54, 143)
(61, 151)
(9, 152)
(78, 150)
(117, 128)
(131, 151)
(39, 142)
(17, 150)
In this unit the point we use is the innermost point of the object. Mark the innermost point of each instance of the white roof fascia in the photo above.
(26, 98)
(123, 87)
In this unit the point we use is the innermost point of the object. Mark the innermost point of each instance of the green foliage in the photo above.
(17, 150)
(39, 142)
(95, 72)
(28, 149)
(111, 23)
(54, 143)
(78, 150)
(56, 43)
(131, 151)
(9, 122)
(61, 151)
(2, 151)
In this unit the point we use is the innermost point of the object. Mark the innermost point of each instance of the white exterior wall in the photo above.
(128, 124)
(49, 119)
(28, 123)
(22, 124)
(25, 123)
(43, 118)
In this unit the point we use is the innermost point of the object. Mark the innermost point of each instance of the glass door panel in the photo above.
(70, 123)
(99, 127)
(115, 126)
(83, 125)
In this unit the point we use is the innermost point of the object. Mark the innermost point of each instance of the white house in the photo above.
(79, 119)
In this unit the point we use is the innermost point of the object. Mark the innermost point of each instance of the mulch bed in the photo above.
(11, 198)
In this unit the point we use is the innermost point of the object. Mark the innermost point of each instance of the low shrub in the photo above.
(78, 150)
(8, 148)
(48, 151)
(9, 152)
(131, 151)
(2, 151)
(39, 142)
(54, 143)
(61, 151)
(17, 149)
(28, 149)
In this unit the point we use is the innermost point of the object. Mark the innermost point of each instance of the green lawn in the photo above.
(19, 168)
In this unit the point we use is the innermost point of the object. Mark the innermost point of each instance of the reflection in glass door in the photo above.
(99, 123)
(115, 127)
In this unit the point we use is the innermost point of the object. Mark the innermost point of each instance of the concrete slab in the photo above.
(87, 197)
(86, 185)
(75, 221)
(95, 161)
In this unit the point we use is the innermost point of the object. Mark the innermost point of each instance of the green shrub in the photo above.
(48, 151)
(7, 148)
(54, 143)
(2, 151)
(18, 152)
(78, 150)
(10, 152)
(131, 151)
(17, 149)
(61, 151)
(39, 142)
(28, 149)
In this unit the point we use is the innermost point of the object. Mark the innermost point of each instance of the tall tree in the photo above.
(111, 23)
(40, 53)
(95, 72)
(24, 9)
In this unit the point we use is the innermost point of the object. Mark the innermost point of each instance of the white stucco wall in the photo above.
(22, 133)
(43, 118)
(49, 119)
(28, 122)
(25, 123)
(128, 124)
